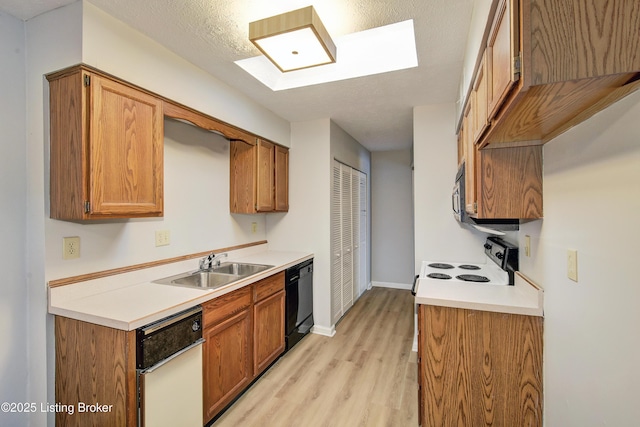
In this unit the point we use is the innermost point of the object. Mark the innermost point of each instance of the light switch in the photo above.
(572, 264)
(163, 237)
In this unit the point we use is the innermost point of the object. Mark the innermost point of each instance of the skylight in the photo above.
(375, 51)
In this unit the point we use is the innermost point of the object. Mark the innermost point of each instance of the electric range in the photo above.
(501, 263)
(498, 269)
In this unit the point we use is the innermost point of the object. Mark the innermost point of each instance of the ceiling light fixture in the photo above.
(293, 40)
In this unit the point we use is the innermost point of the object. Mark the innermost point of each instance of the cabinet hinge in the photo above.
(87, 207)
(475, 207)
(87, 80)
(517, 65)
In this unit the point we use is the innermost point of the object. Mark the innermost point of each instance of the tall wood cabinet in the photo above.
(348, 237)
(259, 177)
(106, 148)
(478, 368)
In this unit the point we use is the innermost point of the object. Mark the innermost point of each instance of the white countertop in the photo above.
(130, 300)
(524, 297)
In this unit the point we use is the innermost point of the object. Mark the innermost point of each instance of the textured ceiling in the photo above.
(376, 110)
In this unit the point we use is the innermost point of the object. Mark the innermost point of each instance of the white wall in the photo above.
(314, 145)
(392, 257)
(306, 226)
(196, 212)
(82, 33)
(53, 42)
(196, 207)
(13, 226)
(114, 47)
(592, 328)
(438, 236)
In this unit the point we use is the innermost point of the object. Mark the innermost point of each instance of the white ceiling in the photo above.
(376, 110)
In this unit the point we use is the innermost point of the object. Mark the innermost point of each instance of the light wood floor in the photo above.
(366, 375)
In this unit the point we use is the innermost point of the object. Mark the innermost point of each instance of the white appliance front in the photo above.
(171, 394)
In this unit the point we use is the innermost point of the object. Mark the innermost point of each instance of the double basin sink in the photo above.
(215, 277)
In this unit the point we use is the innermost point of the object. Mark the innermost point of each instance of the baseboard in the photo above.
(322, 330)
(393, 285)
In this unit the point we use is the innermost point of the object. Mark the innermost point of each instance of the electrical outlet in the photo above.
(527, 245)
(572, 265)
(71, 247)
(254, 227)
(163, 237)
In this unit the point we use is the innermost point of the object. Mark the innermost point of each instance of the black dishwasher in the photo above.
(299, 302)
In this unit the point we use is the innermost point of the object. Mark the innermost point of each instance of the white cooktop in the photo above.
(488, 270)
(524, 297)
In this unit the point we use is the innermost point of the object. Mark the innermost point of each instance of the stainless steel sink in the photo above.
(240, 269)
(216, 277)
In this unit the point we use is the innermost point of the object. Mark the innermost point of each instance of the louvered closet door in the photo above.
(347, 236)
(355, 232)
(336, 246)
(362, 226)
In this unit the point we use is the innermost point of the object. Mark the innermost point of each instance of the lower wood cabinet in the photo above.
(95, 365)
(226, 361)
(479, 368)
(268, 331)
(244, 334)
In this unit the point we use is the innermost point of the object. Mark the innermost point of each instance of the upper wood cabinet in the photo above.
(259, 177)
(281, 191)
(106, 148)
(479, 101)
(508, 183)
(501, 54)
(553, 64)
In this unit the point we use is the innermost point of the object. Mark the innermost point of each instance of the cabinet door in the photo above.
(265, 176)
(470, 191)
(242, 186)
(268, 330)
(125, 151)
(480, 87)
(503, 47)
(487, 357)
(510, 182)
(227, 367)
(281, 179)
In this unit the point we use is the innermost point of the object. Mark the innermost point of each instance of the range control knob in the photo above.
(487, 246)
(499, 255)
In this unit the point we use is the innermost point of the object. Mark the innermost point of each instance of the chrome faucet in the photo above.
(211, 260)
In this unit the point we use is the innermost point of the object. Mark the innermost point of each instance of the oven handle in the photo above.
(413, 288)
(170, 358)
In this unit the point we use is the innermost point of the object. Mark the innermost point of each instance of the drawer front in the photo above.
(269, 286)
(222, 307)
